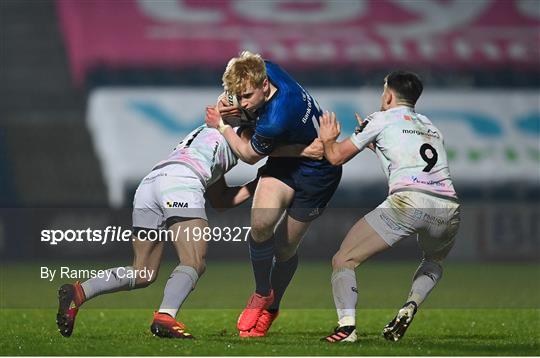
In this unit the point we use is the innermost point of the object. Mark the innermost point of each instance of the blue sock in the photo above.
(282, 274)
(262, 256)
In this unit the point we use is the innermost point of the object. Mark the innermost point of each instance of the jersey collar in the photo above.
(402, 108)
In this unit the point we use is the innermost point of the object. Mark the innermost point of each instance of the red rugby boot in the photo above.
(70, 298)
(165, 326)
(253, 311)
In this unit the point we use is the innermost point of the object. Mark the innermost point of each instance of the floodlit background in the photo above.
(94, 93)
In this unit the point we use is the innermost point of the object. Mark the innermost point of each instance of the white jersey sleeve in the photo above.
(374, 124)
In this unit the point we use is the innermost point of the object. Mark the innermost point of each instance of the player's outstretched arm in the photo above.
(313, 151)
(242, 149)
(223, 197)
(336, 153)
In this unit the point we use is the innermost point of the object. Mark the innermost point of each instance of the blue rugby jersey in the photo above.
(291, 116)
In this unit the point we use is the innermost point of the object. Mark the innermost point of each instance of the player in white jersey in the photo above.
(421, 200)
(172, 197)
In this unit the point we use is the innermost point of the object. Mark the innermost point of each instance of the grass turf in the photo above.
(125, 332)
(479, 309)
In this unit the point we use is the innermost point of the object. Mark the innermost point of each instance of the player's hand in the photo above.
(212, 117)
(360, 127)
(225, 110)
(329, 127)
(361, 124)
(314, 151)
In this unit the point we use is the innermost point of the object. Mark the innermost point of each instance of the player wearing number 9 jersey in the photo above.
(410, 149)
(422, 200)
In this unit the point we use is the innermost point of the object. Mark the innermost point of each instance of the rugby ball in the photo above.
(231, 98)
(245, 116)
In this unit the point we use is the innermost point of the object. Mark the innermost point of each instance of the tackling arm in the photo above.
(241, 148)
(313, 151)
(223, 197)
(337, 153)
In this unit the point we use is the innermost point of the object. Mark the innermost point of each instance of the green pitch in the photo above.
(478, 309)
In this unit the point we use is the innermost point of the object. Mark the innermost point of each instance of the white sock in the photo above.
(179, 285)
(115, 280)
(424, 280)
(345, 295)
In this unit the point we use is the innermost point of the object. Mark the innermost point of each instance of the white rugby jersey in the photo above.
(206, 152)
(410, 149)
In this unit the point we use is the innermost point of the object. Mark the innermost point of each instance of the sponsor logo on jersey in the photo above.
(416, 180)
(176, 204)
(306, 98)
(429, 132)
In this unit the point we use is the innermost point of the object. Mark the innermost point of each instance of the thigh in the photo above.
(272, 193)
(361, 242)
(147, 212)
(271, 198)
(395, 219)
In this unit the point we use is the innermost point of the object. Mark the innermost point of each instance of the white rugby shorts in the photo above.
(171, 191)
(434, 219)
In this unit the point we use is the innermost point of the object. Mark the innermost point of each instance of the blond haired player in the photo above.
(291, 193)
(421, 200)
(172, 196)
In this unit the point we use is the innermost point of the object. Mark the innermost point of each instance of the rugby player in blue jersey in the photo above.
(301, 188)
(192, 173)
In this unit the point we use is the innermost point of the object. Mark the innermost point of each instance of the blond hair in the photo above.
(246, 69)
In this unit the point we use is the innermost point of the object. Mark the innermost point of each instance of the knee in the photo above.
(338, 261)
(143, 261)
(143, 282)
(261, 230)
